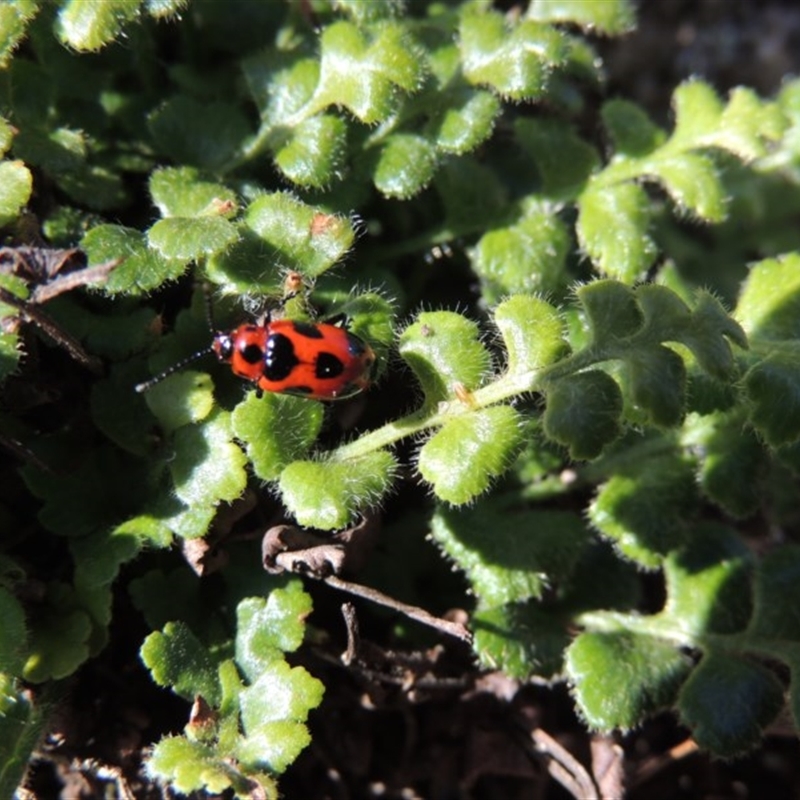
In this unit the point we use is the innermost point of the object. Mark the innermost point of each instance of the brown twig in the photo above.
(413, 612)
(565, 768)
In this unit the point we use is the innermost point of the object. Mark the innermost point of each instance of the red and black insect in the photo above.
(318, 360)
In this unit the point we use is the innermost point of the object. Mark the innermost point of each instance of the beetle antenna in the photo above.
(145, 385)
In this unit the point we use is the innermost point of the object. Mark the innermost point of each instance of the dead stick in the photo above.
(413, 612)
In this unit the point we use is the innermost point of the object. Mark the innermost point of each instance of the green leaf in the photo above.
(563, 159)
(327, 494)
(268, 628)
(693, 184)
(657, 378)
(281, 233)
(181, 192)
(89, 25)
(16, 185)
(191, 766)
(773, 388)
(202, 134)
(647, 512)
(181, 399)
(728, 701)
(528, 256)
(708, 582)
(276, 429)
(532, 331)
(583, 412)
(465, 122)
(189, 239)
(444, 350)
(613, 224)
(630, 128)
(14, 18)
(58, 641)
(364, 74)
(280, 693)
(469, 451)
(13, 634)
(733, 462)
(611, 310)
(769, 302)
(315, 152)
(608, 17)
(208, 466)
(177, 658)
(142, 269)
(776, 595)
(509, 555)
(519, 639)
(515, 61)
(621, 677)
(405, 165)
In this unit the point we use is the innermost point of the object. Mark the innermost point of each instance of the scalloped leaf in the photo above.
(16, 185)
(613, 224)
(646, 512)
(772, 386)
(315, 151)
(515, 61)
(177, 658)
(611, 310)
(191, 766)
(563, 159)
(583, 412)
(532, 331)
(363, 71)
(519, 639)
(191, 238)
(58, 640)
(202, 134)
(461, 460)
(268, 628)
(776, 593)
(708, 582)
(405, 165)
(142, 269)
(528, 256)
(620, 677)
(728, 701)
(609, 17)
(632, 131)
(657, 378)
(181, 192)
(14, 18)
(510, 555)
(208, 466)
(444, 350)
(769, 302)
(326, 494)
(89, 25)
(276, 430)
(281, 233)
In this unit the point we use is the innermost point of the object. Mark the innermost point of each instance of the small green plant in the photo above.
(621, 395)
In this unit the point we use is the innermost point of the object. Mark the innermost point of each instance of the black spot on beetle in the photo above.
(307, 329)
(279, 359)
(252, 353)
(328, 365)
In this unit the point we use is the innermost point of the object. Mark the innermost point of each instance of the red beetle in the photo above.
(318, 360)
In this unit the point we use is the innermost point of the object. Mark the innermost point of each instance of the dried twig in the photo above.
(413, 612)
(565, 768)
